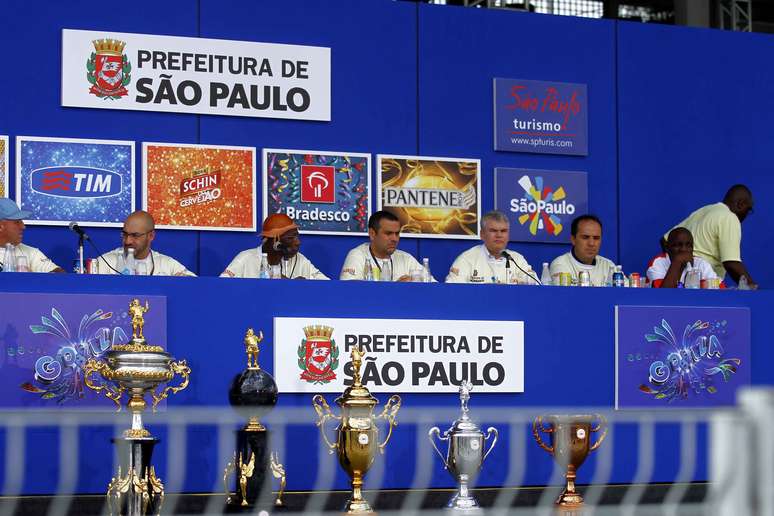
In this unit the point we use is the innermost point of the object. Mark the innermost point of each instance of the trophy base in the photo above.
(253, 448)
(569, 501)
(137, 491)
(358, 507)
(463, 505)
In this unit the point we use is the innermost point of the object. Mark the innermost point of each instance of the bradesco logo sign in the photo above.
(75, 182)
(318, 184)
(540, 203)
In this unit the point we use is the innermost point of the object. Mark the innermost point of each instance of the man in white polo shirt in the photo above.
(586, 239)
(668, 270)
(491, 262)
(138, 233)
(380, 253)
(281, 244)
(26, 258)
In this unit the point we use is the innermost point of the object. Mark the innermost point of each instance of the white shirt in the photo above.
(476, 265)
(400, 263)
(247, 264)
(660, 265)
(157, 264)
(599, 272)
(36, 260)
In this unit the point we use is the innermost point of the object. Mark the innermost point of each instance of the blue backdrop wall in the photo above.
(676, 115)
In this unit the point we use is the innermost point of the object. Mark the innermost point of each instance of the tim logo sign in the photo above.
(539, 116)
(318, 183)
(64, 179)
(75, 182)
(540, 203)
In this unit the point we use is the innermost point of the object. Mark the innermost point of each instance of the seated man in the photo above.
(281, 244)
(491, 262)
(586, 239)
(667, 270)
(381, 254)
(11, 232)
(138, 233)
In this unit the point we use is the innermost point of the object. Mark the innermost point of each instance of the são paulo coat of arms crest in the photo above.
(318, 355)
(108, 69)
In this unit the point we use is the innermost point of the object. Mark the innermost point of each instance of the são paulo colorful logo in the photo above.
(542, 207)
(108, 69)
(318, 355)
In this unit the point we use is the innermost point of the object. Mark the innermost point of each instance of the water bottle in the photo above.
(545, 276)
(386, 274)
(263, 273)
(618, 277)
(692, 277)
(9, 262)
(426, 277)
(21, 263)
(130, 266)
(368, 271)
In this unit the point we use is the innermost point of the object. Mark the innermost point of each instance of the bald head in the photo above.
(739, 200)
(138, 233)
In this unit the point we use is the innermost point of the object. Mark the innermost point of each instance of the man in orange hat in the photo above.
(280, 246)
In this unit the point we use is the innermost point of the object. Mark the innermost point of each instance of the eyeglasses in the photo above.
(126, 235)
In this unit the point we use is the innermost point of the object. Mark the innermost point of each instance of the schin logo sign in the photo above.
(76, 182)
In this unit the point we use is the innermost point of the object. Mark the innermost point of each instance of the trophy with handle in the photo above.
(136, 368)
(465, 453)
(570, 444)
(357, 435)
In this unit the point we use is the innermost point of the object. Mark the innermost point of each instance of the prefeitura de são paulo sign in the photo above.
(116, 70)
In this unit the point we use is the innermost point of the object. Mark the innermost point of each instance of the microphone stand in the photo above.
(81, 269)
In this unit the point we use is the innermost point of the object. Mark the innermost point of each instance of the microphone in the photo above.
(510, 259)
(74, 227)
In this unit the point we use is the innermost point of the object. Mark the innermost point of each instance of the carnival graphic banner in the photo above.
(3, 166)
(323, 192)
(677, 357)
(400, 355)
(432, 197)
(61, 180)
(47, 339)
(201, 187)
(147, 72)
(540, 116)
(540, 203)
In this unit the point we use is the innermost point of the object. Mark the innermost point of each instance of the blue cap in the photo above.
(10, 211)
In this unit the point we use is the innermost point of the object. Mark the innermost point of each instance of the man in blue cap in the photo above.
(27, 259)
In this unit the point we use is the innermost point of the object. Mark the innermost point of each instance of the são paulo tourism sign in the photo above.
(116, 70)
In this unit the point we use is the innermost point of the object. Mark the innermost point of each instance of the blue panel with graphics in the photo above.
(540, 203)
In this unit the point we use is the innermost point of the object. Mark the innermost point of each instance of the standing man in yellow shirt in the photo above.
(717, 233)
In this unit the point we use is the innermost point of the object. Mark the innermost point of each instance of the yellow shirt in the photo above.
(717, 235)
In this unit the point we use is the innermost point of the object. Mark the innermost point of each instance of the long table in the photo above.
(569, 362)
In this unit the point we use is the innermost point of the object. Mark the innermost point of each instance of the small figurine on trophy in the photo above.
(253, 392)
(357, 434)
(136, 367)
(570, 438)
(465, 454)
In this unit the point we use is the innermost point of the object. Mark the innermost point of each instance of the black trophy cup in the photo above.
(253, 393)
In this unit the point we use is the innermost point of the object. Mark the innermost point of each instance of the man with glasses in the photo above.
(717, 233)
(27, 259)
(137, 234)
(280, 244)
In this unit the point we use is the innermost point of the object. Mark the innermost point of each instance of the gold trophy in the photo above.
(136, 367)
(357, 434)
(570, 438)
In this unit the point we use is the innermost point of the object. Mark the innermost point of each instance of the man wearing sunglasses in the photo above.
(281, 244)
(717, 233)
(137, 234)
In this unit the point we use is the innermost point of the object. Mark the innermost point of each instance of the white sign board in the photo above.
(401, 355)
(117, 70)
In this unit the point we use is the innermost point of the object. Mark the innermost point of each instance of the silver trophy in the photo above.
(465, 453)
